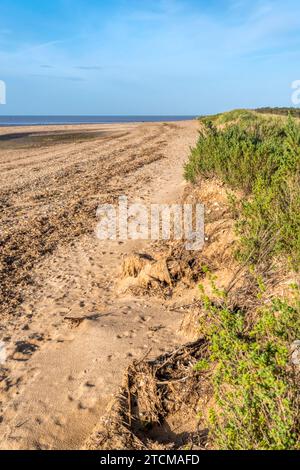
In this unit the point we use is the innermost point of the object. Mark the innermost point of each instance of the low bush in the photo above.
(256, 402)
(261, 157)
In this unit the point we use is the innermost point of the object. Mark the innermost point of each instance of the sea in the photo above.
(64, 120)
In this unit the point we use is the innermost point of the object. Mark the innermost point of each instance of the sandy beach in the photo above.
(68, 333)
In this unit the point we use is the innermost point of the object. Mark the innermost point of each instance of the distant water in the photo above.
(58, 120)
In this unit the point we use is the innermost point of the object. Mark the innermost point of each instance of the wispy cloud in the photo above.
(45, 45)
(58, 77)
(88, 67)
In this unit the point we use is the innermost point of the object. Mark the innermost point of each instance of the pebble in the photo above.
(295, 348)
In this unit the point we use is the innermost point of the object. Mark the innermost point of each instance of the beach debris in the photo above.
(152, 392)
(162, 272)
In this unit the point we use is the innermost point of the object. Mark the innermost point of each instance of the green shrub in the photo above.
(256, 397)
(280, 111)
(261, 157)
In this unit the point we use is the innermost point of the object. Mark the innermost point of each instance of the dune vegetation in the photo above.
(253, 360)
(295, 112)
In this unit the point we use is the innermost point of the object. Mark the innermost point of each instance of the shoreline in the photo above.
(39, 129)
(88, 120)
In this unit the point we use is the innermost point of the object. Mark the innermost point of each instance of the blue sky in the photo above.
(147, 57)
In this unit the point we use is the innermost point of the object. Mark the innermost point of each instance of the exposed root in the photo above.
(164, 273)
(152, 392)
(133, 265)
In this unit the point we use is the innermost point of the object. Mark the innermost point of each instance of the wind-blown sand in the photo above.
(68, 332)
